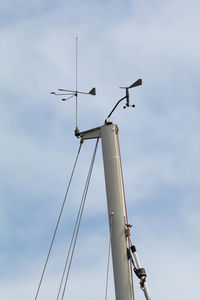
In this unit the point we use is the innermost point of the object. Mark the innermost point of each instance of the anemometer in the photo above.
(74, 93)
(124, 255)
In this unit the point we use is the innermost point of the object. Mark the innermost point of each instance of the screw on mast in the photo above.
(74, 93)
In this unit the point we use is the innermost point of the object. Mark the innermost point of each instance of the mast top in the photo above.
(74, 93)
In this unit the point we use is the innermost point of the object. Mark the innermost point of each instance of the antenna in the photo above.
(136, 83)
(76, 130)
(74, 93)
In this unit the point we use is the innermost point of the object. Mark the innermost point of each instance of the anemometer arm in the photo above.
(115, 107)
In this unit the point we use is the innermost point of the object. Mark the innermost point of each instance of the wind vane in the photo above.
(136, 83)
(74, 93)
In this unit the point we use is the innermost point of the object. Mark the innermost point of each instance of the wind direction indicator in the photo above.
(124, 254)
(136, 83)
(74, 93)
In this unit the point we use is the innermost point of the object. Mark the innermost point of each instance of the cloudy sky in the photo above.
(119, 42)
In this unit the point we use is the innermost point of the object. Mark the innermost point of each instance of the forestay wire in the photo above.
(109, 248)
(57, 224)
(70, 252)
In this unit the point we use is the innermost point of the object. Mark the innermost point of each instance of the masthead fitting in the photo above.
(76, 92)
(71, 94)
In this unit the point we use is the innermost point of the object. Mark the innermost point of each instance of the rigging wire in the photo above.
(109, 248)
(57, 224)
(76, 230)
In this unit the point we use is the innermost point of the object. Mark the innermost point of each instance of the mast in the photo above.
(123, 259)
(116, 208)
(121, 246)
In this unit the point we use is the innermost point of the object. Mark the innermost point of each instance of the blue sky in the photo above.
(119, 42)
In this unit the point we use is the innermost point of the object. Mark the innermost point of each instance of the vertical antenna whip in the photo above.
(71, 93)
(76, 85)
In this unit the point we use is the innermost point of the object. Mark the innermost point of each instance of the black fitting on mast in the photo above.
(133, 248)
(140, 272)
(77, 132)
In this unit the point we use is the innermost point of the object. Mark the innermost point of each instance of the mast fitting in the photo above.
(136, 83)
(139, 271)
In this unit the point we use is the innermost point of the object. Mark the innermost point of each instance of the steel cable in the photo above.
(109, 248)
(57, 224)
(76, 230)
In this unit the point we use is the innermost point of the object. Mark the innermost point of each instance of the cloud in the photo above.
(118, 43)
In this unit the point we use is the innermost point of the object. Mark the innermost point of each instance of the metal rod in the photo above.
(115, 107)
(76, 83)
(143, 283)
(75, 92)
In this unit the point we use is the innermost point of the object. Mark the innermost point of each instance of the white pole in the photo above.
(116, 206)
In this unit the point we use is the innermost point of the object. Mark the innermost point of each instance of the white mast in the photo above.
(121, 245)
(119, 227)
(116, 208)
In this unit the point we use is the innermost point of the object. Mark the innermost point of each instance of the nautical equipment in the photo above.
(136, 83)
(124, 255)
(74, 93)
